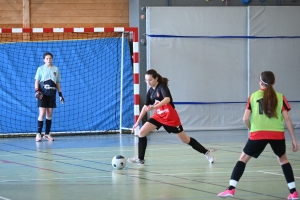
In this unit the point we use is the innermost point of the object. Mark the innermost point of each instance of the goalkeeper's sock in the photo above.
(48, 126)
(40, 126)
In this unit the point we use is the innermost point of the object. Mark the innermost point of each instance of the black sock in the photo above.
(238, 171)
(197, 146)
(40, 126)
(142, 147)
(48, 126)
(288, 174)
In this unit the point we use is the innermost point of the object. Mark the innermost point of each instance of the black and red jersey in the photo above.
(165, 114)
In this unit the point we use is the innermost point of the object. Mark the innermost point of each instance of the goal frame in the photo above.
(135, 56)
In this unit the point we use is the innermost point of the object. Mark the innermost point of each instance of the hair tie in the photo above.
(263, 81)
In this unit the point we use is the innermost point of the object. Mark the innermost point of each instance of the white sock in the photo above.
(233, 183)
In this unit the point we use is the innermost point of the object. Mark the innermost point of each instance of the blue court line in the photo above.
(224, 102)
(182, 102)
(223, 37)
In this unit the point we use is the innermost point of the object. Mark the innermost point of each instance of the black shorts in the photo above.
(47, 102)
(254, 148)
(169, 129)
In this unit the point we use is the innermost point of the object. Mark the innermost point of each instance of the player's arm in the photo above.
(165, 101)
(61, 98)
(36, 84)
(246, 118)
(289, 125)
(38, 94)
(58, 86)
(247, 113)
(165, 92)
(142, 114)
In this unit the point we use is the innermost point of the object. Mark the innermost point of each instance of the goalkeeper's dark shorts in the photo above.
(47, 102)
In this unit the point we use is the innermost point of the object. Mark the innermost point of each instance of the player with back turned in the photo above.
(269, 112)
(47, 82)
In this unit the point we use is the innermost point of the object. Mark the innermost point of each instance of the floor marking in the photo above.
(277, 174)
(4, 198)
(41, 168)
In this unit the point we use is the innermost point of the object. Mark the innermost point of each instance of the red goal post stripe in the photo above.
(134, 30)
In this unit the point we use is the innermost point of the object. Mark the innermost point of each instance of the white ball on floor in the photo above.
(118, 162)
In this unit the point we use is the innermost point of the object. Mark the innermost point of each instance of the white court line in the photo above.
(277, 174)
(132, 175)
(4, 198)
(87, 152)
(22, 180)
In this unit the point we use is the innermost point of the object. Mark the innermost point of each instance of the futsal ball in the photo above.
(118, 162)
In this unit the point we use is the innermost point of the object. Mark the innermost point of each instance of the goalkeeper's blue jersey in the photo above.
(48, 77)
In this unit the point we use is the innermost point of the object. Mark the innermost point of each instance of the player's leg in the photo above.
(47, 136)
(142, 144)
(236, 175)
(253, 148)
(42, 113)
(195, 145)
(279, 149)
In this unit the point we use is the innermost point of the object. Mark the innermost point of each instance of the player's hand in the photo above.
(134, 126)
(150, 107)
(61, 98)
(38, 94)
(295, 146)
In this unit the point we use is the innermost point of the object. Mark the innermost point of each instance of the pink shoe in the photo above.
(293, 196)
(48, 137)
(227, 193)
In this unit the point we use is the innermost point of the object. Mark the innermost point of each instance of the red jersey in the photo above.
(165, 114)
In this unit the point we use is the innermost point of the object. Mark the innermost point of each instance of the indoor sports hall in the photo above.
(213, 64)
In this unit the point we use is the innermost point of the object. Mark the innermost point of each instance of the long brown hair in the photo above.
(269, 99)
(157, 75)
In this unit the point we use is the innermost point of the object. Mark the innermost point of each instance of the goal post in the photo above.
(100, 78)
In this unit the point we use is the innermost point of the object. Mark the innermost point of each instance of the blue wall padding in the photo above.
(90, 71)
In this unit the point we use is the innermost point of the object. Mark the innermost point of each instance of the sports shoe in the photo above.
(136, 160)
(38, 137)
(293, 196)
(227, 193)
(48, 137)
(210, 157)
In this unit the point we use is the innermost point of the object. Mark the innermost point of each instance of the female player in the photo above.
(47, 81)
(269, 111)
(159, 99)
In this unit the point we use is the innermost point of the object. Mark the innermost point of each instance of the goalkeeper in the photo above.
(47, 81)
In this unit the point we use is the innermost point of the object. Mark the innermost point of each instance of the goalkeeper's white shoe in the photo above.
(48, 137)
(38, 137)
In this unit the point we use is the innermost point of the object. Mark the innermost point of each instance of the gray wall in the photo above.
(135, 9)
(212, 76)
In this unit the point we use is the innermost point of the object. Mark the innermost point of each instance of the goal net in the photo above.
(97, 83)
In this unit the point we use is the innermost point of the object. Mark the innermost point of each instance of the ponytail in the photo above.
(270, 100)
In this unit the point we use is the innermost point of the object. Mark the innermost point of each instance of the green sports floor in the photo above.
(79, 168)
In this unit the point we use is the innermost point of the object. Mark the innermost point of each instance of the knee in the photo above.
(185, 140)
(244, 158)
(143, 133)
(283, 160)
